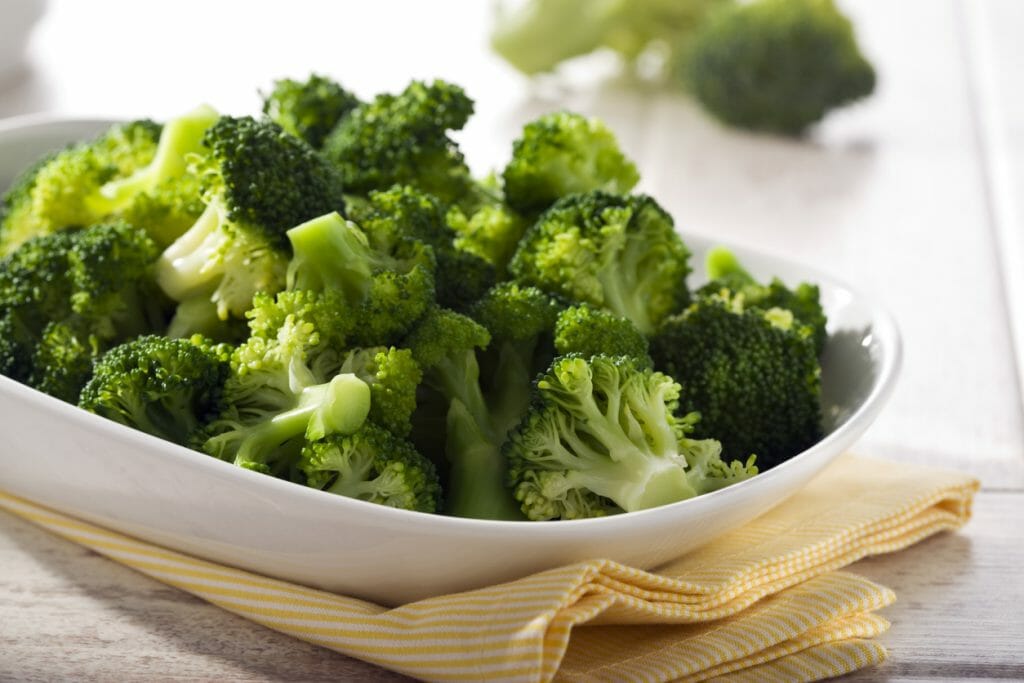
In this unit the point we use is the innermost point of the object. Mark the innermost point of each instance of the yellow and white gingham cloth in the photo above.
(762, 603)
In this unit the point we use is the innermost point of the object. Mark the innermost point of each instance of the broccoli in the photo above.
(373, 465)
(776, 65)
(588, 331)
(165, 387)
(461, 276)
(67, 296)
(60, 191)
(444, 344)
(166, 211)
(603, 437)
(309, 110)
(284, 387)
(804, 302)
(393, 377)
(487, 227)
(612, 251)
(564, 153)
(387, 289)
(257, 182)
(751, 373)
(403, 139)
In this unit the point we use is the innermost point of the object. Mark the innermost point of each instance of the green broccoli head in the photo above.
(603, 436)
(62, 362)
(165, 387)
(387, 288)
(776, 65)
(564, 153)
(804, 302)
(616, 252)
(166, 211)
(486, 226)
(588, 331)
(393, 376)
(309, 109)
(373, 465)
(752, 374)
(403, 139)
(257, 182)
(16, 346)
(62, 189)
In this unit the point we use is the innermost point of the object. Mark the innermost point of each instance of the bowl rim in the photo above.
(882, 324)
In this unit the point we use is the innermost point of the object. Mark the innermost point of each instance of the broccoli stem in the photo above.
(510, 393)
(337, 407)
(477, 476)
(190, 265)
(330, 252)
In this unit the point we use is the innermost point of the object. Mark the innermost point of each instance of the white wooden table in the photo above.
(914, 196)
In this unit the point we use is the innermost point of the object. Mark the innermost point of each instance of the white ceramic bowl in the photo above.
(108, 474)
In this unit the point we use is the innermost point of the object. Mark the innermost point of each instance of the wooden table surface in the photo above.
(915, 197)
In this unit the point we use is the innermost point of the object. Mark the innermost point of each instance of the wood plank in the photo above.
(68, 613)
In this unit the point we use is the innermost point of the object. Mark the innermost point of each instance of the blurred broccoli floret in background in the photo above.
(770, 65)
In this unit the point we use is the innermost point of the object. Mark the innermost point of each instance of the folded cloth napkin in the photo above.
(761, 603)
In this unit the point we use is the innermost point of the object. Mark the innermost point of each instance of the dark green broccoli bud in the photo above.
(588, 331)
(616, 252)
(309, 110)
(444, 344)
(61, 190)
(804, 302)
(393, 376)
(602, 437)
(461, 277)
(284, 388)
(563, 153)
(485, 226)
(388, 289)
(403, 139)
(34, 282)
(16, 347)
(373, 465)
(258, 182)
(752, 374)
(776, 65)
(62, 362)
(165, 387)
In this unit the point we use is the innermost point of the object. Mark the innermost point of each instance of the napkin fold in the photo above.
(761, 603)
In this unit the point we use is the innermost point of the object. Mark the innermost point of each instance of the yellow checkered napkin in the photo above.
(759, 604)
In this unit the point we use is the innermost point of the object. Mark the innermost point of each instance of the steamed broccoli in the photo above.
(444, 344)
(373, 465)
(62, 360)
(403, 139)
(387, 288)
(309, 110)
(461, 276)
(588, 331)
(257, 182)
(165, 387)
(60, 191)
(776, 65)
(804, 302)
(486, 226)
(564, 153)
(284, 386)
(393, 377)
(612, 251)
(603, 437)
(751, 373)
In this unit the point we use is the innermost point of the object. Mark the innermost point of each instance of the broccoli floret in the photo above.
(373, 465)
(257, 182)
(284, 387)
(612, 251)
(752, 374)
(564, 153)
(602, 437)
(16, 347)
(393, 376)
(804, 302)
(309, 110)
(461, 276)
(588, 331)
(444, 344)
(776, 65)
(403, 139)
(388, 288)
(61, 191)
(168, 210)
(165, 387)
(63, 360)
(487, 227)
